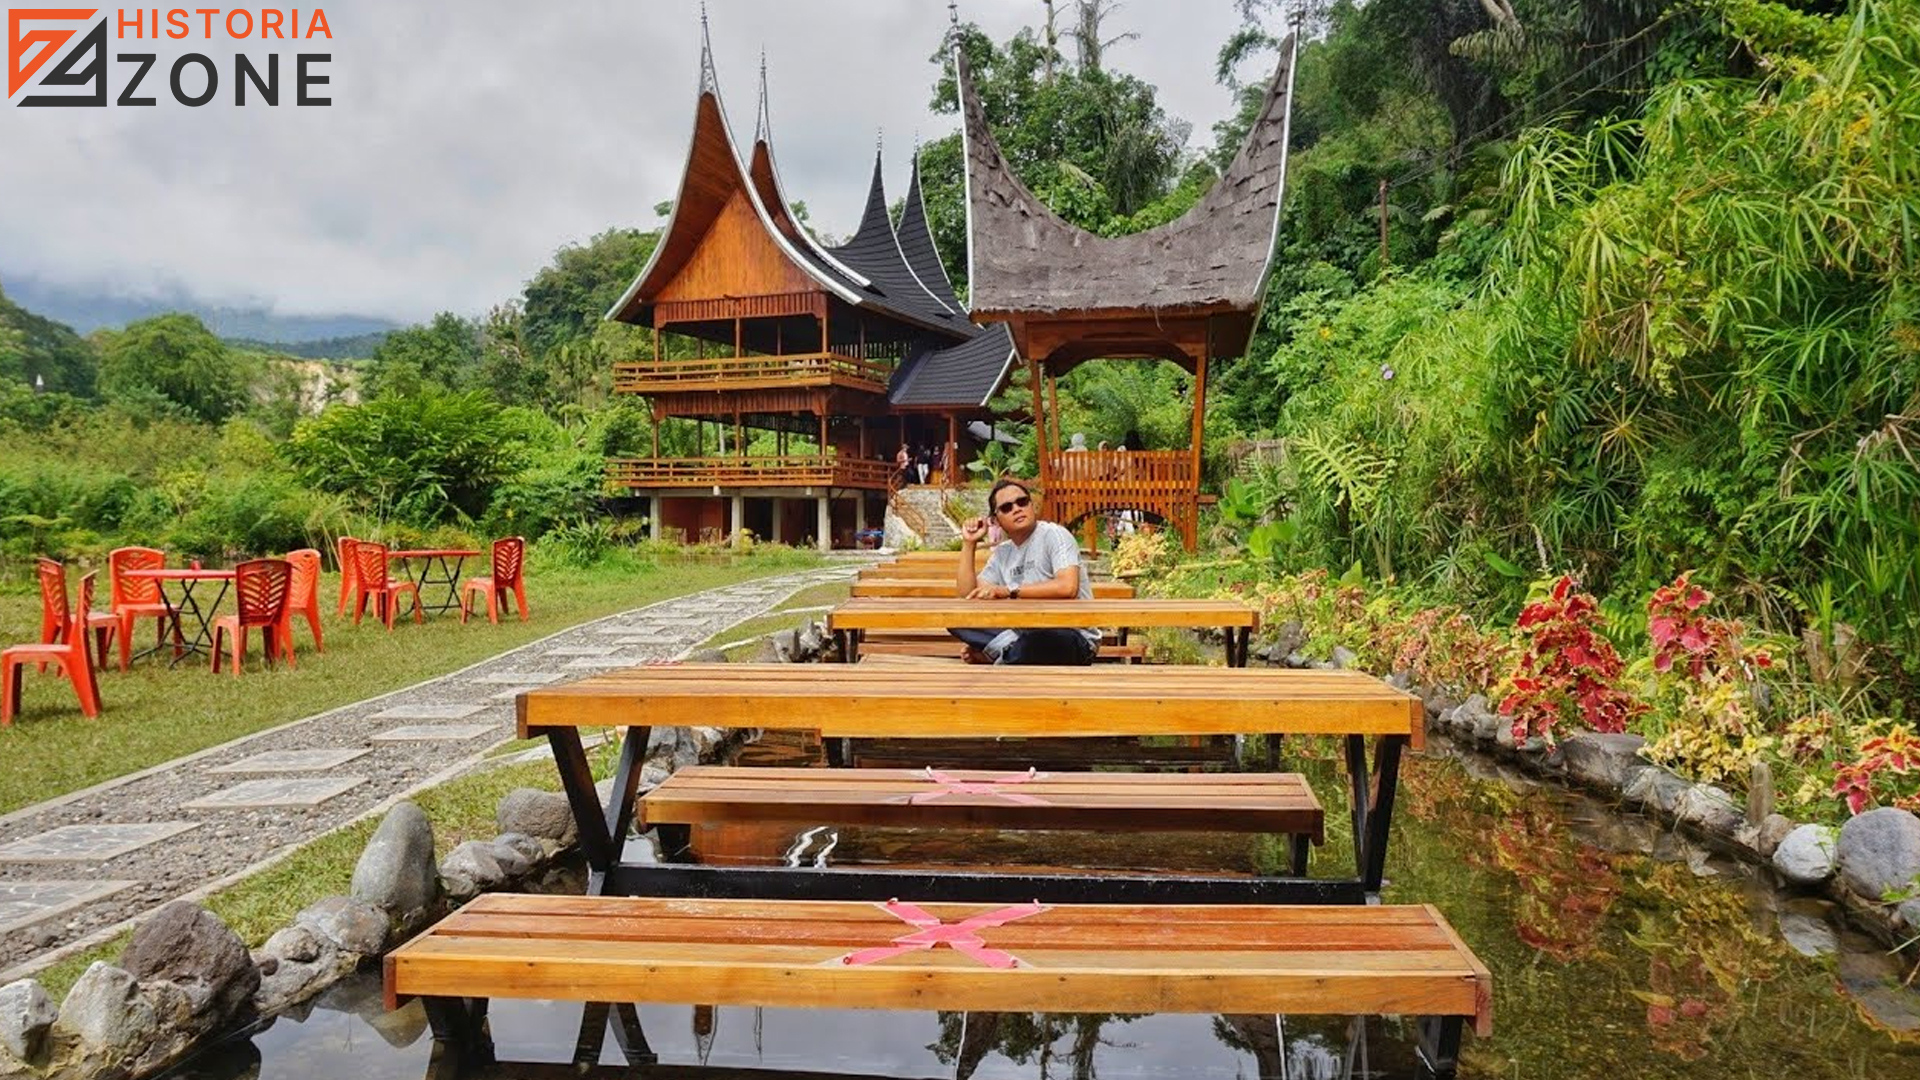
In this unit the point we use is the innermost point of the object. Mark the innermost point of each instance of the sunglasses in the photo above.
(1011, 505)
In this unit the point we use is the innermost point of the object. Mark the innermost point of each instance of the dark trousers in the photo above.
(1058, 648)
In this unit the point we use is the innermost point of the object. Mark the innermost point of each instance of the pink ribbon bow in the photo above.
(960, 937)
(953, 785)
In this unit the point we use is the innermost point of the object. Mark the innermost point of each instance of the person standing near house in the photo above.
(1038, 560)
(924, 463)
(903, 463)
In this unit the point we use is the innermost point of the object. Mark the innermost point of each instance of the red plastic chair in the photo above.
(139, 598)
(55, 619)
(261, 587)
(349, 571)
(509, 574)
(71, 654)
(373, 582)
(303, 598)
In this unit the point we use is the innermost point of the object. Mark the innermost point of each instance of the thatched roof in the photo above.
(1023, 258)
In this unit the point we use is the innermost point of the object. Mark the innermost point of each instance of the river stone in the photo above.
(524, 846)
(1880, 852)
(353, 925)
(1343, 657)
(106, 1013)
(532, 812)
(1603, 761)
(1805, 857)
(512, 863)
(187, 946)
(1909, 912)
(295, 943)
(476, 862)
(293, 981)
(26, 1015)
(396, 872)
(1710, 809)
(1658, 788)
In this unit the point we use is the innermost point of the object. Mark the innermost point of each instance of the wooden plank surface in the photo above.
(855, 701)
(1069, 958)
(886, 613)
(943, 588)
(1007, 798)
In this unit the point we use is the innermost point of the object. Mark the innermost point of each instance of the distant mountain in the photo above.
(87, 310)
(357, 347)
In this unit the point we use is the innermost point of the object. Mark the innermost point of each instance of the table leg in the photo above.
(1373, 804)
(603, 830)
(201, 643)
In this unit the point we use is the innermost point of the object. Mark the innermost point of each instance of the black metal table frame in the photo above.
(449, 577)
(603, 831)
(1239, 639)
(201, 643)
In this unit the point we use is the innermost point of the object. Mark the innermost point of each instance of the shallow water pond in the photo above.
(1618, 950)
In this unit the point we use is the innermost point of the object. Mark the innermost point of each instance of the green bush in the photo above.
(423, 460)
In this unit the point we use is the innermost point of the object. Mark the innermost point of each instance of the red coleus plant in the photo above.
(1680, 632)
(1566, 670)
(1895, 754)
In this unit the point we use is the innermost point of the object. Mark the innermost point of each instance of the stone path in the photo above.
(74, 868)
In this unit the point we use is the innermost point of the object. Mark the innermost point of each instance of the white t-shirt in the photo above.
(1049, 549)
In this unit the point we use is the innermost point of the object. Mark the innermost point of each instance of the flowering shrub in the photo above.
(1137, 552)
(1704, 674)
(1876, 776)
(1567, 670)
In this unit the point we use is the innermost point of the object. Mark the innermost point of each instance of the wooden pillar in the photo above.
(656, 433)
(1053, 392)
(1035, 380)
(953, 451)
(1191, 508)
(863, 438)
(823, 431)
(739, 435)
(739, 337)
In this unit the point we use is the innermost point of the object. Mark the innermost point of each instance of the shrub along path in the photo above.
(74, 868)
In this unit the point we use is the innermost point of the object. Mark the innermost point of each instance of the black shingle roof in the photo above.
(960, 375)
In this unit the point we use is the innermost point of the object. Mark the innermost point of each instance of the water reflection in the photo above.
(1618, 949)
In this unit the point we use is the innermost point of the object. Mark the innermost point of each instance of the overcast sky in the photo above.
(467, 141)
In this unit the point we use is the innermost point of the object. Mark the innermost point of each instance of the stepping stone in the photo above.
(509, 695)
(433, 732)
(23, 903)
(605, 663)
(582, 650)
(264, 793)
(91, 843)
(428, 712)
(657, 640)
(632, 628)
(274, 761)
(520, 678)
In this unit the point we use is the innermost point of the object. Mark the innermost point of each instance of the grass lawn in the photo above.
(154, 714)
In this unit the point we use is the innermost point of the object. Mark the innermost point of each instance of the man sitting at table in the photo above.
(1037, 561)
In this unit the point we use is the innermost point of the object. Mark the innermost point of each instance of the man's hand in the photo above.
(988, 592)
(973, 531)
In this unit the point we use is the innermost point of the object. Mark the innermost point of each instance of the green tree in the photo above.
(175, 359)
(47, 350)
(567, 299)
(443, 354)
(425, 458)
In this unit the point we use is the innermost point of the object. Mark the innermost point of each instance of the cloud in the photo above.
(466, 142)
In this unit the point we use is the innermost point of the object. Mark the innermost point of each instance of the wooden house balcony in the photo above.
(787, 370)
(787, 471)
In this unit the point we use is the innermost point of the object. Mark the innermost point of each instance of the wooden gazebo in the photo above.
(1188, 292)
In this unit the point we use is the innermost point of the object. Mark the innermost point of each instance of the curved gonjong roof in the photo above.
(1022, 257)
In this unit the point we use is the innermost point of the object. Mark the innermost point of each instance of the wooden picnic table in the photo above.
(850, 620)
(929, 589)
(844, 703)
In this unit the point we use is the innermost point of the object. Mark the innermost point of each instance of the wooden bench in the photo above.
(843, 704)
(699, 795)
(1031, 957)
(852, 620)
(943, 588)
(948, 646)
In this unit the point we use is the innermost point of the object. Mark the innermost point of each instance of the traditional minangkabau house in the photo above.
(1188, 292)
(861, 348)
(864, 347)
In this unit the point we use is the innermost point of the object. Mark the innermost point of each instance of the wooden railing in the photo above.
(1161, 482)
(784, 471)
(810, 369)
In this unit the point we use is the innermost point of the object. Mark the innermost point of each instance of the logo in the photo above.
(78, 78)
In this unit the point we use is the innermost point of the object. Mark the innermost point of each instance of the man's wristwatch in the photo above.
(1013, 592)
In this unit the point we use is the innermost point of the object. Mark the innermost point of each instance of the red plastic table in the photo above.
(201, 643)
(430, 559)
